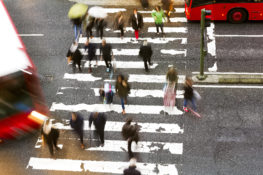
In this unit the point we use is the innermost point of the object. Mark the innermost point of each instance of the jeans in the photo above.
(157, 27)
(122, 103)
(77, 31)
(193, 103)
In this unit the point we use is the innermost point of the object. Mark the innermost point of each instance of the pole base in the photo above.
(201, 77)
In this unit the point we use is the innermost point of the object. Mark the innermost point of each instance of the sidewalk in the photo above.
(124, 2)
(230, 79)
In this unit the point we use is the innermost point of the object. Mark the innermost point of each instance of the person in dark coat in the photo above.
(130, 133)
(91, 47)
(75, 55)
(136, 20)
(99, 121)
(132, 168)
(188, 93)
(90, 23)
(100, 25)
(50, 136)
(77, 123)
(119, 23)
(146, 54)
(106, 53)
(77, 22)
(122, 88)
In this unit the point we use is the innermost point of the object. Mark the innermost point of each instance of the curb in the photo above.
(137, 3)
(230, 79)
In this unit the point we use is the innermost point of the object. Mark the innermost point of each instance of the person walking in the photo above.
(100, 25)
(122, 88)
(77, 25)
(146, 53)
(50, 136)
(90, 48)
(106, 53)
(168, 8)
(77, 123)
(132, 168)
(119, 23)
(158, 17)
(75, 55)
(99, 121)
(136, 20)
(170, 88)
(88, 25)
(131, 133)
(188, 93)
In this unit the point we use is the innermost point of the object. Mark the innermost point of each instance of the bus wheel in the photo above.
(237, 16)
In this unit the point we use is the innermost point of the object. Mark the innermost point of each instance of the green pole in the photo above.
(201, 76)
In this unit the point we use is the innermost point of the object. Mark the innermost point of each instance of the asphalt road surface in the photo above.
(227, 140)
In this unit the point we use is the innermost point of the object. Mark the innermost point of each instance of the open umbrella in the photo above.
(97, 12)
(77, 11)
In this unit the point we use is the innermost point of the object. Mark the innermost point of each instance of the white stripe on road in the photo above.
(113, 126)
(139, 78)
(230, 73)
(132, 40)
(30, 34)
(174, 52)
(177, 10)
(123, 64)
(145, 93)
(129, 109)
(114, 10)
(169, 29)
(130, 52)
(141, 147)
(98, 166)
(177, 19)
(211, 45)
(229, 86)
(246, 36)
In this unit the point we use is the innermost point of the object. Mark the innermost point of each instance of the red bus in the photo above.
(235, 11)
(22, 106)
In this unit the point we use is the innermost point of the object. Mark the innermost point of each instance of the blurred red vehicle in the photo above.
(22, 106)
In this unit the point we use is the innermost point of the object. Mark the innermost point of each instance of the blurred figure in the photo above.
(91, 47)
(77, 22)
(122, 88)
(136, 20)
(132, 168)
(146, 54)
(130, 133)
(170, 88)
(145, 4)
(99, 121)
(168, 6)
(119, 23)
(50, 136)
(77, 123)
(106, 93)
(100, 25)
(76, 56)
(158, 17)
(188, 93)
(106, 53)
(88, 25)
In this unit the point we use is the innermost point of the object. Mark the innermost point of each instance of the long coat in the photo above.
(78, 124)
(91, 50)
(121, 90)
(131, 171)
(130, 131)
(53, 135)
(106, 51)
(146, 52)
(133, 21)
(99, 121)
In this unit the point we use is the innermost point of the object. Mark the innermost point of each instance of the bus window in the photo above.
(197, 3)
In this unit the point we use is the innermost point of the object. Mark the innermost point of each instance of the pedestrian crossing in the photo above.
(159, 129)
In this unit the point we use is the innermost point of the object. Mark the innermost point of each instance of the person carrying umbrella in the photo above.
(136, 20)
(106, 53)
(158, 17)
(146, 53)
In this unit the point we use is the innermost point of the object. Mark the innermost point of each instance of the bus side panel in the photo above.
(196, 12)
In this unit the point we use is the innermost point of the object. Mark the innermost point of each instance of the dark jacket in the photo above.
(135, 25)
(188, 92)
(78, 124)
(121, 90)
(99, 121)
(106, 51)
(91, 50)
(76, 56)
(100, 24)
(53, 135)
(77, 21)
(131, 171)
(146, 51)
(118, 23)
(130, 131)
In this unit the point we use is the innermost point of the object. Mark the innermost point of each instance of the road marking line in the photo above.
(123, 64)
(247, 36)
(230, 73)
(114, 10)
(177, 10)
(229, 86)
(129, 109)
(169, 29)
(30, 34)
(132, 40)
(174, 52)
(177, 19)
(98, 166)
